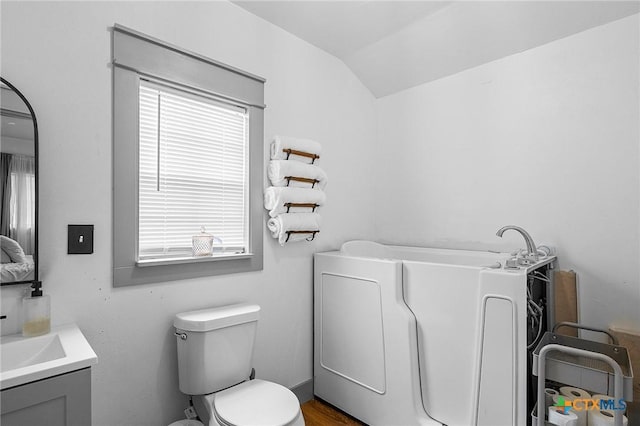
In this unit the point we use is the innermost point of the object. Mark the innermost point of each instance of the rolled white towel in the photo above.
(275, 198)
(284, 142)
(279, 225)
(278, 170)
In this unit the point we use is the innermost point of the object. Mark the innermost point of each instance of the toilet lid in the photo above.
(256, 402)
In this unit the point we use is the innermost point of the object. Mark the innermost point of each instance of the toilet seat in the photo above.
(256, 402)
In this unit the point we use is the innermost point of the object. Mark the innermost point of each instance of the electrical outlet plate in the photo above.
(190, 412)
(80, 239)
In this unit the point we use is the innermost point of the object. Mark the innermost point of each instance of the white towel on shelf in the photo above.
(279, 169)
(284, 142)
(275, 198)
(279, 225)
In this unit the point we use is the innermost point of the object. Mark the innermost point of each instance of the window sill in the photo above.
(191, 259)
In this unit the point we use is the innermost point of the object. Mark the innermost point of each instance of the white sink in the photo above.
(26, 359)
(27, 352)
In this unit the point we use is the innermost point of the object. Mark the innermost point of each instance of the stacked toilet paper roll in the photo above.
(574, 393)
(569, 393)
(560, 418)
(604, 418)
(548, 397)
(598, 397)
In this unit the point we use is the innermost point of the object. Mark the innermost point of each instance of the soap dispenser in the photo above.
(36, 313)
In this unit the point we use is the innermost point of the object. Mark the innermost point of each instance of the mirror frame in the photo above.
(35, 283)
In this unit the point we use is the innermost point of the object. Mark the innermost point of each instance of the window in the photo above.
(22, 184)
(192, 173)
(21, 206)
(187, 153)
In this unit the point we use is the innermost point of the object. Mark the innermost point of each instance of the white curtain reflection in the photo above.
(22, 176)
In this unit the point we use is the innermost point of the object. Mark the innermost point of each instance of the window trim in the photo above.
(180, 260)
(135, 57)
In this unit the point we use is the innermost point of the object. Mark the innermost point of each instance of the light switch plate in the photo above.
(80, 239)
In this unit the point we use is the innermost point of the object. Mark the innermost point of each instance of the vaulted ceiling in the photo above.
(395, 45)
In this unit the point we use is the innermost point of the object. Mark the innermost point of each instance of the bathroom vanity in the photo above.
(46, 379)
(61, 400)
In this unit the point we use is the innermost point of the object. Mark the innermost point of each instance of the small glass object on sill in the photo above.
(202, 244)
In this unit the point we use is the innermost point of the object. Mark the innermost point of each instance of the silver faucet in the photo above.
(531, 246)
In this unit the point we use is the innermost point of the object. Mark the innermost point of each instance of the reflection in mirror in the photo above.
(18, 196)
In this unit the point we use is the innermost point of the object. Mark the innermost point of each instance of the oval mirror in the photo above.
(18, 188)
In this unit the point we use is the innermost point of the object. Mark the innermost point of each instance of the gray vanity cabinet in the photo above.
(63, 400)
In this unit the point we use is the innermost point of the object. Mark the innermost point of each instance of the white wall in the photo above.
(58, 55)
(546, 139)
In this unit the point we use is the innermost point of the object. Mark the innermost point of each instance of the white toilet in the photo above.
(215, 353)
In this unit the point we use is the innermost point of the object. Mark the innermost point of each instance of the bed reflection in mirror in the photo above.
(17, 189)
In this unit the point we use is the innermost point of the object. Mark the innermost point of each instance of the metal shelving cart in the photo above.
(596, 366)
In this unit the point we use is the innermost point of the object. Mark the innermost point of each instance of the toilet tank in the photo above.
(215, 347)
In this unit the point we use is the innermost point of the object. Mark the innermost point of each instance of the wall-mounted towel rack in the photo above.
(313, 206)
(311, 238)
(301, 179)
(297, 189)
(300, 153)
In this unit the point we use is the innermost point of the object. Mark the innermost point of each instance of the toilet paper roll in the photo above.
(598, 397)
(560, 418)
(604, 418)
(580, 414)
(570, 391)
(548, 397)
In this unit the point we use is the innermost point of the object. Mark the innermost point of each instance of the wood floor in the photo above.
(318, 413)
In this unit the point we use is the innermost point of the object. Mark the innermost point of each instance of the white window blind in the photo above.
(192, 173)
